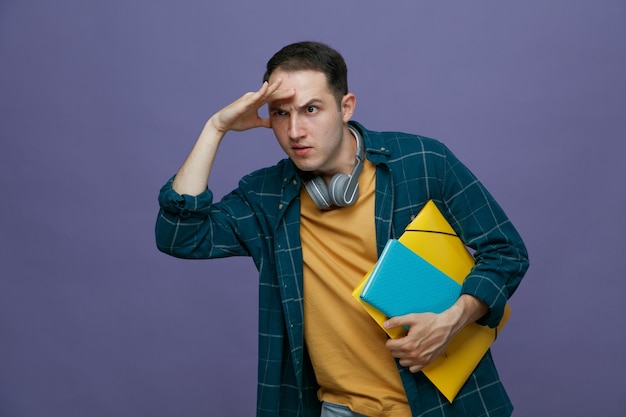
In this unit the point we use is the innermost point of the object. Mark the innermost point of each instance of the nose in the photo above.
(296, 127)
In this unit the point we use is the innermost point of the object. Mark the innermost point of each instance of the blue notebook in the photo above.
(402, 282)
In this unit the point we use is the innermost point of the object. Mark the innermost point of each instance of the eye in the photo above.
(311, 109)
(279, 112)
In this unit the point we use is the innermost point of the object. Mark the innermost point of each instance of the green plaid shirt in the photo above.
(261, 219)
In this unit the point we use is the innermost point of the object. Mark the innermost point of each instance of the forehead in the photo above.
(304, 82)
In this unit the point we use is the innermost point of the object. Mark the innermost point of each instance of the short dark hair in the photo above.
(316, 56)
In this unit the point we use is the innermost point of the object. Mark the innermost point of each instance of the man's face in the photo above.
(310, 126)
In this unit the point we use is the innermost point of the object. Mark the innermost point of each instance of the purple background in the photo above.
(101, 101)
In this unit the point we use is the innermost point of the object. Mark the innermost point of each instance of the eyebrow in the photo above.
(313, 101)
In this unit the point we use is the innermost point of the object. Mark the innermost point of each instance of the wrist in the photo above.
(211, 135)
(213, 126)
(466, 310)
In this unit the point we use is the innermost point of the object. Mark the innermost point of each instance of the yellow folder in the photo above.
(431, 236)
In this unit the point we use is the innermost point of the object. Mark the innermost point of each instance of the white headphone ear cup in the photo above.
(318, 192)
(337, 189)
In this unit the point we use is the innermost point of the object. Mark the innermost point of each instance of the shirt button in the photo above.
(280, 206)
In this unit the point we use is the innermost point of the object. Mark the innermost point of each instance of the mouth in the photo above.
(301, 150)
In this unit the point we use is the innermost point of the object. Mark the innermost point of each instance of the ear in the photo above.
(348, 104)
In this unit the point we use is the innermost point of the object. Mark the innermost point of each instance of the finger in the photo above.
(264, 87)
(265, 122)
(397, 321)
(269, 92)
(415, 368)
(412, 364)
(274, 86)
(281, 94)
(259, 97)
(397, 346)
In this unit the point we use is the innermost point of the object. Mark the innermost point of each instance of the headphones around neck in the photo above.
(343, 189)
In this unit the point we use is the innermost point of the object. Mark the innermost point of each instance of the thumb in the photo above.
(265, 122)
(396, 322)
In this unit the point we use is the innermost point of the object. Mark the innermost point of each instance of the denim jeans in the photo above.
(337, 410)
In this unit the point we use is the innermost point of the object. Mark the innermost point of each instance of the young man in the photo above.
(313, 234)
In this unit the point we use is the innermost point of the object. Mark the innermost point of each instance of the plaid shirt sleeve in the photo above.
(193, 227)
(500, 254)
(422, 169)
(261, 219)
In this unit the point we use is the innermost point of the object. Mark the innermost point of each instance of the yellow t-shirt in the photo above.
(346, 346)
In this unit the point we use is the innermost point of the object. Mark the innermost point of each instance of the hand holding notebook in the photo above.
(429, 249)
